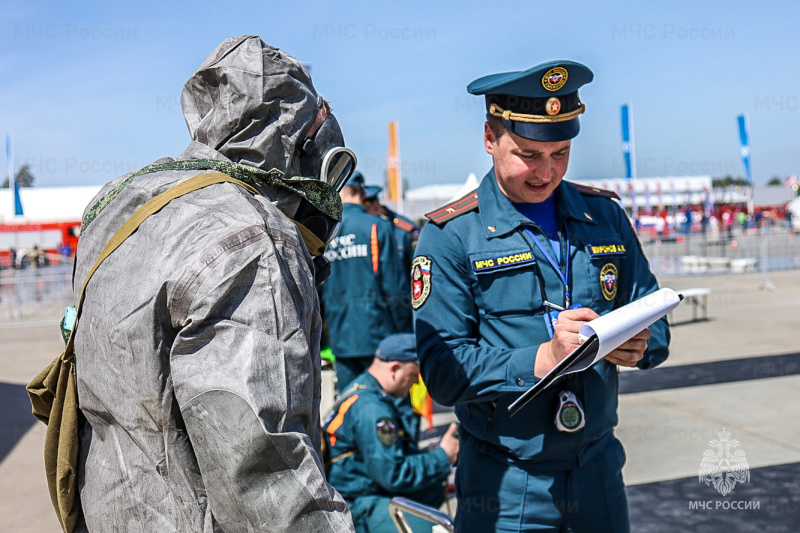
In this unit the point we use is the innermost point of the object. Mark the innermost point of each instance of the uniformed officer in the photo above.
(492, 273)
(406, 232)
(365, 297)
(373, 445)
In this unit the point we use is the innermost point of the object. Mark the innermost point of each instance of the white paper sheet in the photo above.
(616, 327)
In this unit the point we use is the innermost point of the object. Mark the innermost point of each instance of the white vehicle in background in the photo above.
(793, 207)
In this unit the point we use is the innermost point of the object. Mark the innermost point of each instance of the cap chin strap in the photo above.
(506, 114)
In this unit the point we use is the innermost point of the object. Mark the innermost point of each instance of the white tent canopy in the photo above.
(422, 200)
(47, 204)
(667, 191)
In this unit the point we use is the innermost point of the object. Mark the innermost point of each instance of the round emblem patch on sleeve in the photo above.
(420, 281)
(609, 277)
(387, 431)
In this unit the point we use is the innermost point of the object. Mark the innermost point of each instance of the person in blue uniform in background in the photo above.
(366, 297)
(372, 439)
(406, 232)
(502, 281)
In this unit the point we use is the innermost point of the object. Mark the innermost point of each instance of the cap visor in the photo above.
(548, 132)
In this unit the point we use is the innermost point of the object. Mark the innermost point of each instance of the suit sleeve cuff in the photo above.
(519, 372)
(442, 460)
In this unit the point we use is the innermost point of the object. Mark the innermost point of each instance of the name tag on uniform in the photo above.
(496, 262)
(603, 250)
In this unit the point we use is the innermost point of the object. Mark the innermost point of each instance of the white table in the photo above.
(698, 297)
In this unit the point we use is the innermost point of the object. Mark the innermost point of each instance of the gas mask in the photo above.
(322, 155)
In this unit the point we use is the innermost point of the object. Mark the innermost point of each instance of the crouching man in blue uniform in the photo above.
(372, 438)
(501, 283)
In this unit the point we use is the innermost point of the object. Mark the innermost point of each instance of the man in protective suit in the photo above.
(197, 354)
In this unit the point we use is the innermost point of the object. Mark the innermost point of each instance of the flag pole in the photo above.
(393, 173)
(629, 154)
(744, 139)
(12, 179)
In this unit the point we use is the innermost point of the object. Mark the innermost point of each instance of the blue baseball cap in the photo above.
(400, 347)
(356, 180)
(541, 103)
(371, 192)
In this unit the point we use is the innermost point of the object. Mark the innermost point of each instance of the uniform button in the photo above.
(520, 382)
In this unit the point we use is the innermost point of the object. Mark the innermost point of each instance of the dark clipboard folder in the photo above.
(579, 360)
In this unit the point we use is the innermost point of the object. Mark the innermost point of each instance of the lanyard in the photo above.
(563, 274)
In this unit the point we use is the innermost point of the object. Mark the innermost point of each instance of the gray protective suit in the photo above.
(197, 348)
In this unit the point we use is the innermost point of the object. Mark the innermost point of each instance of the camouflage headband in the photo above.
(316, 192)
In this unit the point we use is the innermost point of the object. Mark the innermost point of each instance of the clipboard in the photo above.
(574, 362)
(603, 335)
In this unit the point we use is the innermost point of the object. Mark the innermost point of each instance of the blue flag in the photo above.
(17, 202)
(627, 153)
(626, 142)
(745, 149)
(11, 179)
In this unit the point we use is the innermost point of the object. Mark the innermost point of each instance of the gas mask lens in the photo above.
(337, 167)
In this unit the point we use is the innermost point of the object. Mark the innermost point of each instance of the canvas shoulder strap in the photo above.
(152, 206)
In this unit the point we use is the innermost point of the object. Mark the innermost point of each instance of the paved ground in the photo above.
(738, 371)
(741, 373)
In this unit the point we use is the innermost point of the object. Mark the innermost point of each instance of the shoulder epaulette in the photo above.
(404, 225)
(454, 209)
(595, 191)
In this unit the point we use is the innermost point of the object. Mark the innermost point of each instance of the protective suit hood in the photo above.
(251, 102)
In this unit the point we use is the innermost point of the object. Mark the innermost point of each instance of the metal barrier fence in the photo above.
(34, 292)
(721, 254)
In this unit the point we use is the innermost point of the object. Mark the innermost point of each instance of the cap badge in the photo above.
(553, 106)
(555, 78)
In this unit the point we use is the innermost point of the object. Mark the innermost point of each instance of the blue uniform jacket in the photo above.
(479, 317)
(366, 296)
(406, 233)
(370, 426)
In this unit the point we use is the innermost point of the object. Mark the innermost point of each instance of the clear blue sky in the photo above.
(91, 89)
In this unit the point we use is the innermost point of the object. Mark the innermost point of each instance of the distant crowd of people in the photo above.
(31, 258)
(726, 221)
